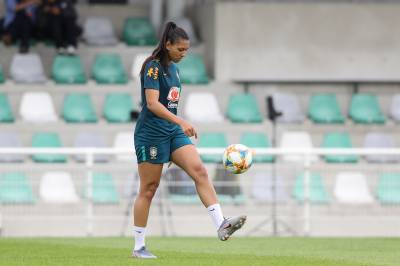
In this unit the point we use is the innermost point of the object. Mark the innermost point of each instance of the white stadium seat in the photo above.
(27, 68)
(395, 108)
(202, 107)
(288, 104)
(380, 140)
(37, 107)
(125, 140)
(57, 187)
(352, 188)
(296, 140)
(99, 31)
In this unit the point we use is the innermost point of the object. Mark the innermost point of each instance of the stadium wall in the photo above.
(331, 41)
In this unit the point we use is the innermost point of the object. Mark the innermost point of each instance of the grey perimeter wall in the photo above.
(307, 41)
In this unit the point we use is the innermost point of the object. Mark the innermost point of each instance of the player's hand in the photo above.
(188, 129)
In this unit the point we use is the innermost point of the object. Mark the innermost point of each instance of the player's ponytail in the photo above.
(171, 33)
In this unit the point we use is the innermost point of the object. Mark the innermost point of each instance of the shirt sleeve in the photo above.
(151, 76)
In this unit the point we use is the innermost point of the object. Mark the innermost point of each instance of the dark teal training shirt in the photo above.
(149, 127)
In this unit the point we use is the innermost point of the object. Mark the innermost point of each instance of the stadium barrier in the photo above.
(90, 153)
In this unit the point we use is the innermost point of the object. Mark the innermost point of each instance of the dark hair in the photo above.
(171, 33)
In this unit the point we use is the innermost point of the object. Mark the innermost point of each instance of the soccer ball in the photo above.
(237, 158)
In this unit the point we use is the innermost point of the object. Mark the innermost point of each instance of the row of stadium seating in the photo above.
(292, 139)
(242, 108)
(106, 69)
(38, 107)
(349, 187)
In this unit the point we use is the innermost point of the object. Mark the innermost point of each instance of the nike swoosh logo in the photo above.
(213, 209)
(138, 232)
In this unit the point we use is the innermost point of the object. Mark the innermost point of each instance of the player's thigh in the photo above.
(149, 174)
(187, 158)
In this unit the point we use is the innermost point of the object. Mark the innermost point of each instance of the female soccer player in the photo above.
(161, 136)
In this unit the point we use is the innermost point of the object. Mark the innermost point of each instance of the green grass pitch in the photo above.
(202, 251)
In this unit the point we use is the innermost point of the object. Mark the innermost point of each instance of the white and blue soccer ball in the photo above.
(237, 158)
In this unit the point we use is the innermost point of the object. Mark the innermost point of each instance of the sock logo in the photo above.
(213, 209)
(138, 231)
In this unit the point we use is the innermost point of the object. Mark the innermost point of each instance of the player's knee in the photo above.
(200, 173)
(150, 190)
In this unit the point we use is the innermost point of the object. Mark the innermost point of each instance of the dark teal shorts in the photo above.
(160, 152)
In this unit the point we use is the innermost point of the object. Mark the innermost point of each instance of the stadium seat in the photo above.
(10, 140)
(243, 108)
(37, 107)
(138, 31)
(68, 70)
(317, 191)
(395, 108)
(338, 140)
(27, 68)
(117, 107)
(6, 114)
(103, 189)
(262, 185)
(137, 65)
(324, 108)
(47, 140)
(57, 187)
(352, 188)
(289, 106)
(15, 188)
(388, 190)
(364, 109)
(195, 110)
(108, 69)
(125, 140)
(181, 187)
(212, 140)
(78, 108)
(257, 140)
(296, 140)
(99, 31)
(187, 25)
(94, 140)
(2, 78)
(227, 187)
(380, 140)
(192, 70)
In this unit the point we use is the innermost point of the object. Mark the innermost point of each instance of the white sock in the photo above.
(216, 214)
(139, 233)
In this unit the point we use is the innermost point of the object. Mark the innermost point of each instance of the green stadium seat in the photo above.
(212, 140)
(2, 79)
(104, 190)
(364, 109)
(14, 188)
(317, 190)
(338, 140)
(78, 108)
(6, 114)
(324, 108)
(138, 31)
(243, 108)
(192, 70)
(47, 140)
(108, 69)
(257, 140)
(117, 107)
(388, 190)
(68, 70)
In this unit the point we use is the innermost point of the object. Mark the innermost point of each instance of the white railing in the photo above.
(306, 153)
